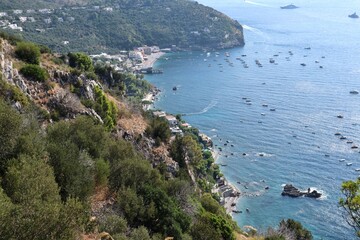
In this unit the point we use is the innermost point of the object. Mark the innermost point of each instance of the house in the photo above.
(23, 19)
(30, 11)
(60, 19)
(31, 19)
(171, 120)
(108, 9)
(15, 27)
(45, 11)
(71, 19)
(136, 56)
(47, 20)
(176, 130)
(3, 14)
(17, 11)
(65, 42)
(40, 30)
(204, 139)
(185, 125)
(155, 49)
(159, 114)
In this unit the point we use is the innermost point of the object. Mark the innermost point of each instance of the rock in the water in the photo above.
(291, 191)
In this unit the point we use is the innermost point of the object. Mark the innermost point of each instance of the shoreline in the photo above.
(151, 59)
(229, 194)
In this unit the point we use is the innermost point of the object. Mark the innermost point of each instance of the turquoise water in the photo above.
(296, 137)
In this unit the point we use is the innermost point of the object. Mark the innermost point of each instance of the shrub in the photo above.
(34, 72)
(28, 52)
(80, 61)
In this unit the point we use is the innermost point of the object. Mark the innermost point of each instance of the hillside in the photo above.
(104, 26)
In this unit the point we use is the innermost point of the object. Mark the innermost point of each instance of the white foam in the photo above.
(212, 104)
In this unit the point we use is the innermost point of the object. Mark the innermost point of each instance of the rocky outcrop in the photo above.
(291, 191)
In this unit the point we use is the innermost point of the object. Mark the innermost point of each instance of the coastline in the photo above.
(229, 194)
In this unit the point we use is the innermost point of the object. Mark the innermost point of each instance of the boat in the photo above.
(354, 147)
(303, 64)
(272, 109)
(349, 164)
(354, 15)
(354, 92)
(227, 54)
(342, 138)
(262, 114)
(337, 134)
(272, 60)
(307, 48)
(265, 105)
(342, 160)
(290, 6)
(340, 116)
(349, 142)
(358, 169)
(174, 88)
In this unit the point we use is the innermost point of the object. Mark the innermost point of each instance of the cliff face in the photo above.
(55, 95)
(119, 25)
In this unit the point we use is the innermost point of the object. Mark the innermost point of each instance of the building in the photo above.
(15, 27)
(204, 139)
(3, 14)
(30, 11)
(135, 55)
(171, 120)
(108, 9)
(17, 11)
(159, 114)
(45, 11)
(47, 20)
(23, 19)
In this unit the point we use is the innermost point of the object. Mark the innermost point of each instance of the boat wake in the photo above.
(256, 31)
(257, 4)
(212, 104)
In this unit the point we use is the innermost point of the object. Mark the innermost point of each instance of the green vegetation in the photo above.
(80, 61)
(351, 203)
(28, 52)
(130, 24)
(34, 72)
(289, 229)
(12, 93)
(159, 130)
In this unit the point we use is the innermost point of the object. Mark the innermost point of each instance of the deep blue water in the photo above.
(307, 99)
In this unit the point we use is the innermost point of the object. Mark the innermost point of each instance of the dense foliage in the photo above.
(28, 52)
(80, 61)
(34, 72)
(351, 203)
(129, 24)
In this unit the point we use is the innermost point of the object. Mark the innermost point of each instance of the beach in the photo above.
(151, 59)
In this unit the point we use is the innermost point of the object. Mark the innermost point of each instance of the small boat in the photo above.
(227, 54)
(340, 116)
(174, 88)
(354, 15)
(265, 105)
(354, 92)
(358, 169)
(303, 64)
(349, 164)
(262, 114)
(244, 55)
(248, 100)
(327, 155)
(307, 48)
(349, 142)
(272, 60)
(342, 138)
(316, 61)
(321, 67)
(354, 147)
(272, 109)
(342, 160)
(267, 188)
(337, 134)
(247, 210)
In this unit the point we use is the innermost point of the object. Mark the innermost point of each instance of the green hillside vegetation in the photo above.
(130, 24)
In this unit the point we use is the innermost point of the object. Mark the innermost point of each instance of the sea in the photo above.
(283, 115)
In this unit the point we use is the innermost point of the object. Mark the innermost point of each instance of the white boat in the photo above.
(349, 164)
(354, 92)
(342, 160)
(358, 169)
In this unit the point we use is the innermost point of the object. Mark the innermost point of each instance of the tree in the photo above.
(28, 52)
(34, 72)
(80, 61)
(10, 125)
(351, 203)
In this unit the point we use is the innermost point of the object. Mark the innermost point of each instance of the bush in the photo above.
(80, 61)
(34, 72)
(28, 52)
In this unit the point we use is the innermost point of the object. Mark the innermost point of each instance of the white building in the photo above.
(17, 11)
(171, 120)
(3, 14)
(108, 9)
(23, 19)
(47, 20)
(136, 55)
(15, 27)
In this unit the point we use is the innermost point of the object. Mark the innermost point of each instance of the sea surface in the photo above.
(296, 140)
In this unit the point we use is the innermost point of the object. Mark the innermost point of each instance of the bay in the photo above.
(297, 139)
